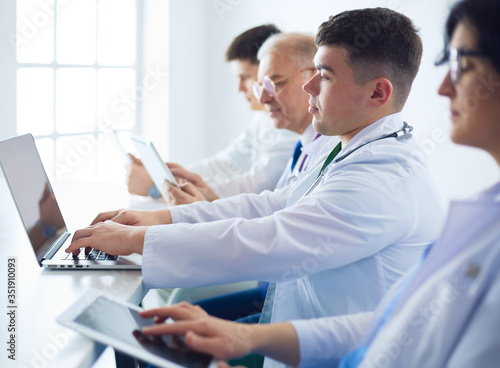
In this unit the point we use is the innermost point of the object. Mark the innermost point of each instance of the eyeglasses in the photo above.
(457, 63)
(269, 85)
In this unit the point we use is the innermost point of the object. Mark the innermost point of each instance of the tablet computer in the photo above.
(156, 167)
(110, 322)
(124, 153)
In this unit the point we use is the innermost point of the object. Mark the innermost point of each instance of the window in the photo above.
(79, 65)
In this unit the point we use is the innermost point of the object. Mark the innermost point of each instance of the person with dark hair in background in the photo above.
(251, 163)
(445, 311)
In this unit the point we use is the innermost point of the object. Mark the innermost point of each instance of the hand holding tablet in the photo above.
(119, 324)
(155, 166)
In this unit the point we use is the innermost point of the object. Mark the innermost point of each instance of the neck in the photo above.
(301, 129)
(345, 138)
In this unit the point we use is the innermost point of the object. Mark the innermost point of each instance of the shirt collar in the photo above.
(308, 135)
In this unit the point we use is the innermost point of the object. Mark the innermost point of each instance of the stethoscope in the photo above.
(401, 135)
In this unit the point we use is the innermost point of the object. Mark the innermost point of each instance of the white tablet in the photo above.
(112, 323)
(155, 166)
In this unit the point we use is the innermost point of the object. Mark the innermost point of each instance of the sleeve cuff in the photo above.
(176, 214)
(310, 350)
(324, 341)
(148, 257)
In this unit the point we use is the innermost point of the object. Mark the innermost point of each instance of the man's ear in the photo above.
(381, 89)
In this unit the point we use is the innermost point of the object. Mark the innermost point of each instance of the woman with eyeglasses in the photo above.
(446, 311)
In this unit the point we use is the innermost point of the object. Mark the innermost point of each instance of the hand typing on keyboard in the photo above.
(108, 237)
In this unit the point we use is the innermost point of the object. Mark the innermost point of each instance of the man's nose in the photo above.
(265, 97)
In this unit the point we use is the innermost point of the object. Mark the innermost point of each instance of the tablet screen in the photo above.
(118, 321)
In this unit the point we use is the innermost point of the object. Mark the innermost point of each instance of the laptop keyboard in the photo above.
(93, 255)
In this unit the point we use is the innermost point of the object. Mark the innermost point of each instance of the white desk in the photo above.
(42, 295)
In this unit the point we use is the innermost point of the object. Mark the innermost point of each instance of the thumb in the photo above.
(173, 165)
(202, 344)
(123, 218)
(189, 188)
(135, 160)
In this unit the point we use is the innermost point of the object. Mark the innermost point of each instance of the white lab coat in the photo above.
(312, 150)
(449, 312)
(335, 251)
(253, 162)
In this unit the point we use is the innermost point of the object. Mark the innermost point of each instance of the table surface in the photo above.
(42, 295)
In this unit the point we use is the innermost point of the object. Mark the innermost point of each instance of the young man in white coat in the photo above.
(335, 241)
(293, 102)
(445, 312)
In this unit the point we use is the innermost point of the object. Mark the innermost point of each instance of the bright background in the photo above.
(197, 110)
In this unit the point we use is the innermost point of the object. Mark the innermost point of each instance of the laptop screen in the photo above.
(32, 192)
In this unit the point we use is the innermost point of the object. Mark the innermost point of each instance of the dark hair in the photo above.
(483, 15)
(379, 43)
(247, 44)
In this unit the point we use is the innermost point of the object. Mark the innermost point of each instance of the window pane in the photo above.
(76, 32)
(116, 32)
(75, 157)
(110, 166)
(35, 101)
(75, 100)
(35, 31)
(117, 97)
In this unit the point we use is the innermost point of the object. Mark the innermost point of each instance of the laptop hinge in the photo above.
(54, 247)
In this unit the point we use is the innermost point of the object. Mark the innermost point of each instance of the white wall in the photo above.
(205, 111)
(189, 80)
(458, 171)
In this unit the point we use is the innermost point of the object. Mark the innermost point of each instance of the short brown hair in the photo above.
(379, 43)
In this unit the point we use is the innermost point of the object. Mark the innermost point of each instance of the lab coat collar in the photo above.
(387, 125)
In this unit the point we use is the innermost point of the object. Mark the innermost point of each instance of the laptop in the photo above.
(155, 166)
(41, 215)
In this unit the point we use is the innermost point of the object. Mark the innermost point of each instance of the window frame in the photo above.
(97, 131)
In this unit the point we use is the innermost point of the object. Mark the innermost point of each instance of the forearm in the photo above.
(278, 341)
(246, 206)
